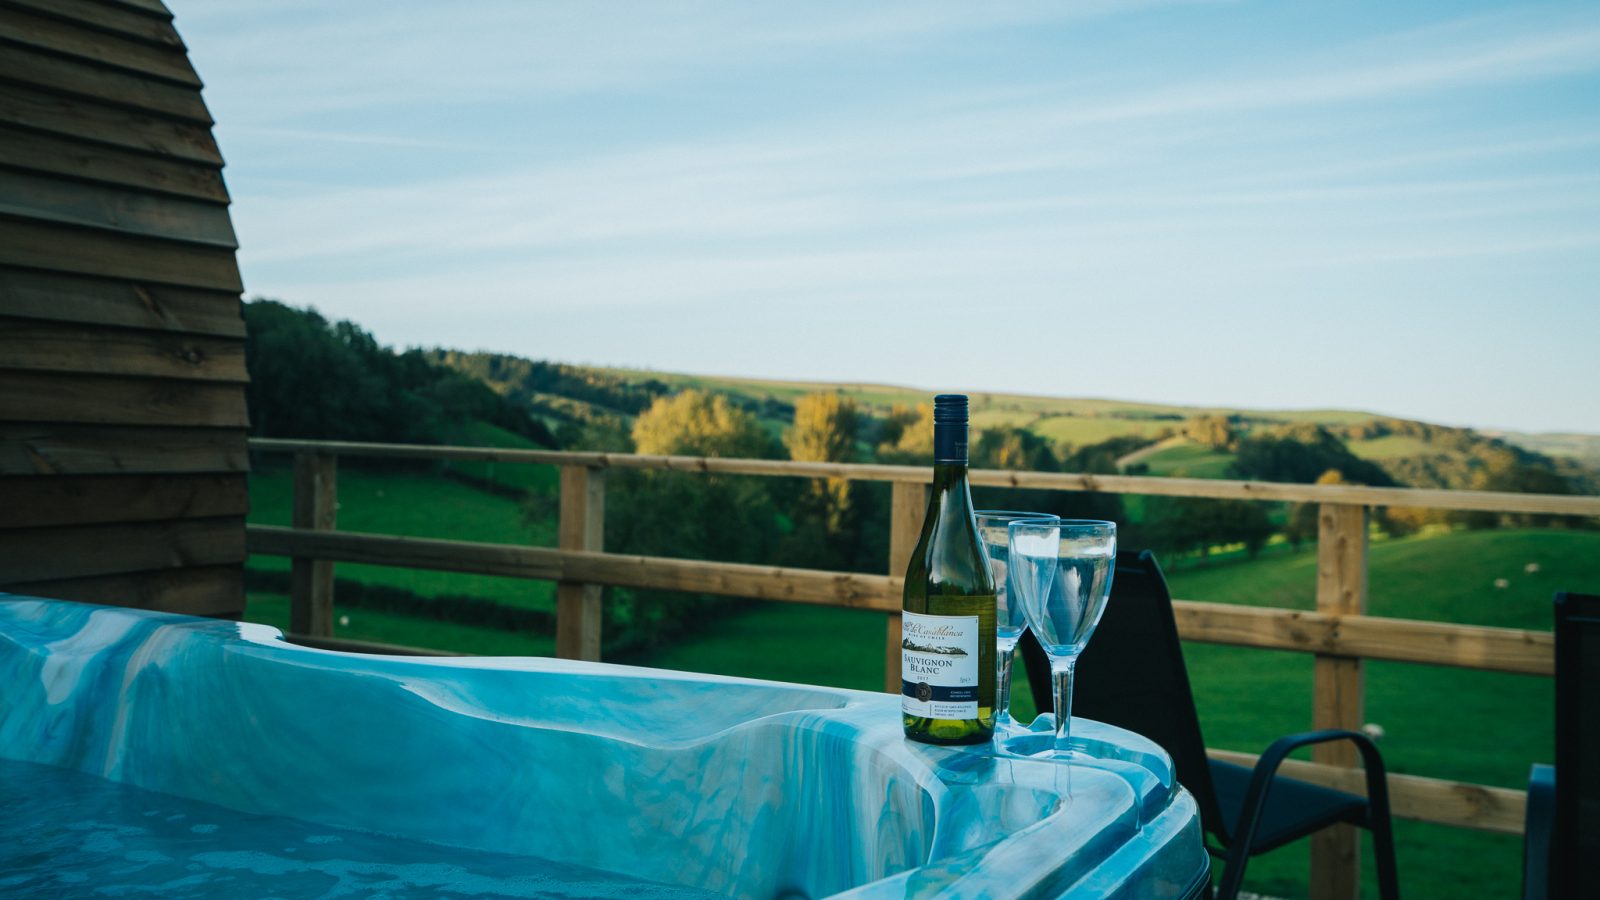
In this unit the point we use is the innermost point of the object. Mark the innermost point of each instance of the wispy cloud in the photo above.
(630, 163)
(406, 53)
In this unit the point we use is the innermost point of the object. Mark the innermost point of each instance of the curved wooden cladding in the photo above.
(71, 347)
(84, 251)
(122, 371)
(115, 400)
(38, 152)
(72, 116)
(198, 591)
(51, 71)
(147, 7)
(49, 448)
(42, 501)
(1059, 481)
(81, 551)
(67, 201)
(87, 31)
(132, 23)
(60, 297)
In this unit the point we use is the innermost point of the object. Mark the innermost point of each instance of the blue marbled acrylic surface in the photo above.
(747, 788)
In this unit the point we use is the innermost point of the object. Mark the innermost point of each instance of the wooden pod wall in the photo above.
(122, 375)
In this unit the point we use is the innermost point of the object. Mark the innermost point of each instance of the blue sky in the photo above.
(1382, 206)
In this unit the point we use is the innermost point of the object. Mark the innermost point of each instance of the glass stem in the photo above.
(1061, 674)
(1002, 703)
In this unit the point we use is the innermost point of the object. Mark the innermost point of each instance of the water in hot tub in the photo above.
(67, 834)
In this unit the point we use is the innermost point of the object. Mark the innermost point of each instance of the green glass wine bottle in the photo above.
(947, 637)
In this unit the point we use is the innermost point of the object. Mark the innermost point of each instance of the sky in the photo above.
(1378, 206)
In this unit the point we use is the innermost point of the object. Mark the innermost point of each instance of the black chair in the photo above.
(1132, 675)
(1562, 839)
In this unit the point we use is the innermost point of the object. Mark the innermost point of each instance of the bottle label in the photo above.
(939, 666)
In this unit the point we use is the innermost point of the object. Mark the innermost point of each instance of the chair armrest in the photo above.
(1539, 827)
(1255, 797)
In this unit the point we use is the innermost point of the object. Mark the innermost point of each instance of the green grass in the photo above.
(1392, 446)
(522, 476)
(1000, 418)
(1189, 460)
(414, 505)
(1082, 430)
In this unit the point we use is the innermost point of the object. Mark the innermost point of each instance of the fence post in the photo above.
(316, 503)
(583, 527)
(907, 505)
(1337, 701)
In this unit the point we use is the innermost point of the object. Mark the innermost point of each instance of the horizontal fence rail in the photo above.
(1338, 633)
(1399, 640)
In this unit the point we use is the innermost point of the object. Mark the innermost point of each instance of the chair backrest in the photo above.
(1576, 841)
(1132, 675)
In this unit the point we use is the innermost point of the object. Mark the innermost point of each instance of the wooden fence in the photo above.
(1338, 633)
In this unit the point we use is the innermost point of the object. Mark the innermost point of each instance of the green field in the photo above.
(1439, 722)
(1391, 446)
(522, 476)
(1083, 430)
(1189, 460)
(414, 505)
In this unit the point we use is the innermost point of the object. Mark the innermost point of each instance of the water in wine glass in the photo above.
(1061, 573)
(1075, 598)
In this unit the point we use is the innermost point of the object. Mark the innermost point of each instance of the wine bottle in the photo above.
(947, 627)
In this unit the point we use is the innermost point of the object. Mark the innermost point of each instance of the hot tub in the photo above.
(490, 767)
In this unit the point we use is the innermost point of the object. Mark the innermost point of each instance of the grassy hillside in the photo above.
(1189, 460)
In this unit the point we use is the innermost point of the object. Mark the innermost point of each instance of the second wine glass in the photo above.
(994, 534)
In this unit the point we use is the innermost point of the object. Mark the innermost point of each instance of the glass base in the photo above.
(1038, 741)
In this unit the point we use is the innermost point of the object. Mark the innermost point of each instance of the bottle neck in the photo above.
(950, 446)
(949, 476)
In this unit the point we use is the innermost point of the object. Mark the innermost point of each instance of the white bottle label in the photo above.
(939, 666)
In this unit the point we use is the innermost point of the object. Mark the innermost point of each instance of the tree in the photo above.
(686, 515)
(1010, 447)
(1189, 524)
(825, 426)
(1216, 432)
(310, 378)
(695, 423)
(1301, 454)
(907, 435)
(1505, 472)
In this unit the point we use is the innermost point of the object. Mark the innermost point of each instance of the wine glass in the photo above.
(1061, 575)
(1008, 620)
